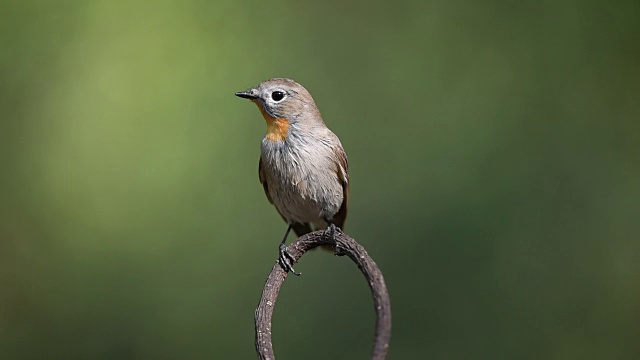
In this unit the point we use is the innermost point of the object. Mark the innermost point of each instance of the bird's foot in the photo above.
(286, 260)
(330, 232)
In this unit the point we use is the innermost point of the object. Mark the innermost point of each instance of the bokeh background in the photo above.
(494, 154)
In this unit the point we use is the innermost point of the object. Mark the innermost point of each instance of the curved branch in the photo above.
(343, 245)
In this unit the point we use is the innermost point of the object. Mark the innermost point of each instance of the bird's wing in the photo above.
(299, 228)
(343, 175)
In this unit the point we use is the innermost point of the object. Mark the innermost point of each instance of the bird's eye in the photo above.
(277, 95)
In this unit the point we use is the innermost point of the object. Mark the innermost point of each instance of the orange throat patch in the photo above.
(277, 128)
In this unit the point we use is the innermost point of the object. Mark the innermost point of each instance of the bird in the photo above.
(303, 167)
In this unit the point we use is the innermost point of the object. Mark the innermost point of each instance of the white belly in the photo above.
(304, 187)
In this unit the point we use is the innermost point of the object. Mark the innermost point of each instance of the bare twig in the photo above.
(343, 245)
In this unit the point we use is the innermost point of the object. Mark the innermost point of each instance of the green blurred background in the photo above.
(494, 154)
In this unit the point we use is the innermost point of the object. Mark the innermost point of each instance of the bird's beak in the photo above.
(250, 94)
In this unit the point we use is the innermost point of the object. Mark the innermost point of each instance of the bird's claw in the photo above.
(330, 232)
(286, 260)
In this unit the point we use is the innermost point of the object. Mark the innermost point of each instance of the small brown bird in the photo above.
(303, 167)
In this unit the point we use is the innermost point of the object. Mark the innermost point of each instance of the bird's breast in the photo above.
(302, 182)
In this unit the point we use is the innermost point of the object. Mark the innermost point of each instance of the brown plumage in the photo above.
(303, 167)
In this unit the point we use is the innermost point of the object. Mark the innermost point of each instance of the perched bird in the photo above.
(303, 167)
